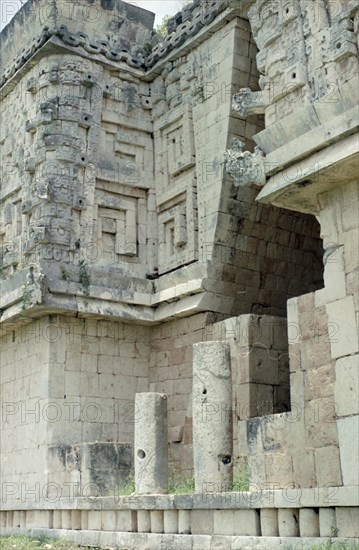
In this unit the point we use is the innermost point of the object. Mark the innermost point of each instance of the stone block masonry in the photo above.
(139, 226)
(213, 520)
(309, 445)
(117, 175)
(70, 398)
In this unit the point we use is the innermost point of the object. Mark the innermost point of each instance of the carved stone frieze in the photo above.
(246, 168)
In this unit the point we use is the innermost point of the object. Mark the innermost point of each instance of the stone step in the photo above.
(144, 541)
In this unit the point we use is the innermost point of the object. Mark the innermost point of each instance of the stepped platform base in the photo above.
(150, 541)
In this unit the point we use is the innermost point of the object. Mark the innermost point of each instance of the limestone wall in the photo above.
(119, 176)
(308, 63)
(171, 373)
(116, 207)
(98, 373)
(309, 71)
(253, 257)
(260, 376)
(94, 368)
(339, 222)
(25, 377)
(13, 146)
(316, 443)
(69, 389)
(74, 208)
(100, 19)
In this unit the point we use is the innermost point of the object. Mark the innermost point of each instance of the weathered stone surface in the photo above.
(341, 314)
(184, 522)
(156, 521)
(269, 523)
(150, 448)
(212, 416)
(202, 522)
(308, 522)
(170, 521)
(245, 167)
(114, 205)
(347, 521)
(346, 386)
(327, 522)
(143, 521)
(288, 522)
(348, 433)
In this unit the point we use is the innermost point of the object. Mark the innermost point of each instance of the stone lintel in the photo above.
(298, 186)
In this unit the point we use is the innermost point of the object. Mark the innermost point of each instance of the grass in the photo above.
(27, 543)
(240, 480)
(179, 486)
(128, 487)
(332, 545)
(176, 486)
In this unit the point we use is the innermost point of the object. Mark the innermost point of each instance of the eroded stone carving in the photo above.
(108, 165)
(247, 102)
(298, 46)
(247, 168)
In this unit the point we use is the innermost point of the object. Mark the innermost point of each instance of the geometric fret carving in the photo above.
(118, 227)
(177, 221)
(176, 194)
(125, 156)
(175, 150)
(116, 222)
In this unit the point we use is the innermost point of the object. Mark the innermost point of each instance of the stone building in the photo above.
(158, 193)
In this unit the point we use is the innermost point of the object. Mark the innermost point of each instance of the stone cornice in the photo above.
(185, 25)
(74, 40)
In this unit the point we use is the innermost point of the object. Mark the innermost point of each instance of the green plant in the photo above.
(162, 29)
(65, 276)
(240, 480)
(26, 297)
(128, 487)
(84, 278)
(178, 486)
(148, 47)
(28, 543)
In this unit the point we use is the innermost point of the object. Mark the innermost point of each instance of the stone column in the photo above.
(151, 443)
(212, 417)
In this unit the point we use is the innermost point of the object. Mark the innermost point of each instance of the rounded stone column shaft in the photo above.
(151, 443)
(212, 417)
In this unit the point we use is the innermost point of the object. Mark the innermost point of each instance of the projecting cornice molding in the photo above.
(185, 25)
